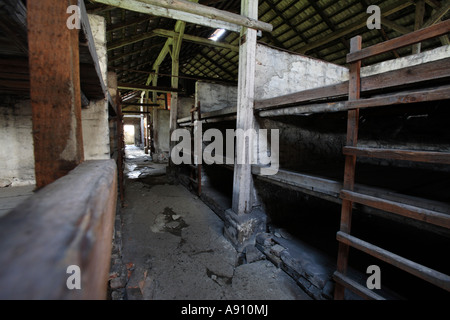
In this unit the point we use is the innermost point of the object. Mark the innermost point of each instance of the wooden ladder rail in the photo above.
(351, 152)
(350, 164)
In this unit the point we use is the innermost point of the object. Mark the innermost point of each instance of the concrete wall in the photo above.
(161, 136)
(408, 61)
(214, 96)
(96, 136)
(185, 105)
(279, 73)
(16, 147)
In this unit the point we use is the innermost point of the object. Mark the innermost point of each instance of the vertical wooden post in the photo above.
(350, 163)
(419, 15)
(243, 179)
(121, 150)
(54, 90)
(176, 48)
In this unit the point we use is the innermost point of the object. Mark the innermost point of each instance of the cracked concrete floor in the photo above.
(174, 248)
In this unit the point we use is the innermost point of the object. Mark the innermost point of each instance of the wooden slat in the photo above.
(400, 42)
(55, 90)
(133, 86)
(69, 222)
(409, 211)
(432, 276)
(396, 154)
(356, 287)
(432, 94)
(335, 90)
(431, 71)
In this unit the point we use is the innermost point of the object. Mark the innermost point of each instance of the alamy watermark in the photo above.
(374, 281)
(374, 21)
(74, 280)
(235, 147)
(74, 21)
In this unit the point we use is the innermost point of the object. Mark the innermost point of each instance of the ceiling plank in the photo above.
(395, 7)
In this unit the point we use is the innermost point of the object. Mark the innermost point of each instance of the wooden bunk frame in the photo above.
(352, 151)
(428, 81)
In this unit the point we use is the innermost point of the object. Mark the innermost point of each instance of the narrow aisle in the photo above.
(173, 248)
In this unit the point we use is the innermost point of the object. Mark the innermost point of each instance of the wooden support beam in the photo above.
(395, 26)
(242, 202)
(192, 12)
(133, 86)
(438, 14)
(55, 91)
(418, 22)
(180, 27)
(69, 222)
(126, 42)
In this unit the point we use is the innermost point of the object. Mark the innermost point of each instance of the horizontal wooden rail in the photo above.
(439, 29)
(68, 222)
(431, 94)
(409, 211)
(396, 154)
(432, 276)
(431, 71)
(356, 287)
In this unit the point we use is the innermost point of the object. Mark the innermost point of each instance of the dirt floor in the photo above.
(170, 246)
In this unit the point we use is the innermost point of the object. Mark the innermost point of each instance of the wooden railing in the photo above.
(67, 223)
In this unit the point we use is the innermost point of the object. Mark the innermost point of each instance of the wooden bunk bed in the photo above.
(420, 83)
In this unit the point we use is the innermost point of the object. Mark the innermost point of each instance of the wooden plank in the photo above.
(396, 154)
(306, 109)
(400, 42)
(316, 184)
(133, 86)
(356, 287)
(190, 9)
(409, 211)
(427, 72)
(434, 71)
(431, 94)
(55, 91)
(69, 222)
(432, 276)
(335, 90)
(94, 62)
